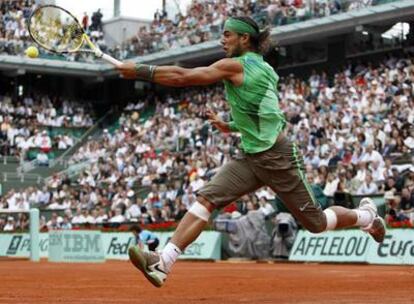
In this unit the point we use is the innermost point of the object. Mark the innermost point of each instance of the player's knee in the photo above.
(316, 226)
(202, 209)
(203, 201)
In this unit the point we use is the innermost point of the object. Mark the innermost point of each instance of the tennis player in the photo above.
(269, 158)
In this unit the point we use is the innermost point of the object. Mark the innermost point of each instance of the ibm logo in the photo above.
(76, 242)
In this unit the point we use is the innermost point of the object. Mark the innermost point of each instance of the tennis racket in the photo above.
(57, 30)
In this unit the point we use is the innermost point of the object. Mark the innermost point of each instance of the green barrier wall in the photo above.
(115, 245)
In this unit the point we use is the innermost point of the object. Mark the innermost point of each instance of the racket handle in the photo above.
(111, 60)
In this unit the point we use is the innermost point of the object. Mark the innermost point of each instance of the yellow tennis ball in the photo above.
(32, 52)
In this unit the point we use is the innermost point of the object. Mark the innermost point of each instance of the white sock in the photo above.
(169, 255)
(365, 217)
(331, 219)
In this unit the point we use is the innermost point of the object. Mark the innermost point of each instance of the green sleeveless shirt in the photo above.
(255, 105)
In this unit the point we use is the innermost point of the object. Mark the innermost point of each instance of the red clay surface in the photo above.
(200, 282)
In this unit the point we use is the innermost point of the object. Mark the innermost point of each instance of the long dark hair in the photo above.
(261, 41)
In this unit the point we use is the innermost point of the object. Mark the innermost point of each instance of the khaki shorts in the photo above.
(280, 168)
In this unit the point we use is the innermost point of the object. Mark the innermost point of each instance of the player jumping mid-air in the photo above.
(269, 158)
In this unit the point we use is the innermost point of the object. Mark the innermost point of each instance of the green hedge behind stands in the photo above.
(54, 153)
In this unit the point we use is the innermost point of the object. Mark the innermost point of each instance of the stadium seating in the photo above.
(31, 124)
(167, 32)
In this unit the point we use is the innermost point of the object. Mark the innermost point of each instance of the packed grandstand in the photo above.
(202, 22)
(354, 125)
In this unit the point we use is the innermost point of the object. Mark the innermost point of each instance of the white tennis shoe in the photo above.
(150, 264)
(377, 227)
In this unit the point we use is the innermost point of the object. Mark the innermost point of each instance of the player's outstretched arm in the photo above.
(176, 76)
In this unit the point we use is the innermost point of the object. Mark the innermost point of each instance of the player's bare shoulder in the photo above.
(229, 64)
(232, 69)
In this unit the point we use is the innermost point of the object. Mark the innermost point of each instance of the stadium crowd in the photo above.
(25, 121)
(355, 131)
(14, 35)
(202, 22)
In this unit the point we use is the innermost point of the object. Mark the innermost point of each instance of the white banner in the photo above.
(206, 246)
(397, 248)
(76, 246)
(354, 246)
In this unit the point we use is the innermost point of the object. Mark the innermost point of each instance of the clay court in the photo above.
(201, 282)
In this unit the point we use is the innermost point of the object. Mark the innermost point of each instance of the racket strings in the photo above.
(56, 30)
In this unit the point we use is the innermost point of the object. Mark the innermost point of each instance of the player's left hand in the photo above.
(217, 122)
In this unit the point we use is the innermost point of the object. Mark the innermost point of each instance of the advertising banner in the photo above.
(115, 245)
(76, 246)
(331, 246)
(18, 244)
(206, 246)
(397, 248)
(354, 246)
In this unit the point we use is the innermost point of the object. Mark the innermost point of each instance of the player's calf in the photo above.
(365, 216)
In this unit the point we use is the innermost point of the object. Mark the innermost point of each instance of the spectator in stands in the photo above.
(378, 171)
(368, 187)
(101, 217)
(66, 224)
(85, 21)
(118, 217)
(64, 142)
(97, 21)
(10, 224)
(407, 203)
(331, 185)
(55, 222)
(43, 197)
(79, 217)
(42, 159)
(3, 221)
(370, 155)
(393, 214)
(399, 180)
(352, 184)
(409, 179)
(23, 222)
(21, 203)
(342, 196)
